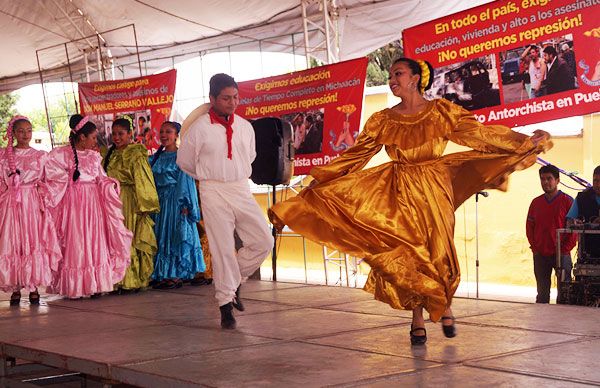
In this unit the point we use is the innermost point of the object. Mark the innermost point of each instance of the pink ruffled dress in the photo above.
(29, 249)
(89, 220)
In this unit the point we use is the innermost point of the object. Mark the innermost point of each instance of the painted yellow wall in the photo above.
(504, 254)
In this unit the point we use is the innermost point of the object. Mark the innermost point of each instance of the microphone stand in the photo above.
(484, 194)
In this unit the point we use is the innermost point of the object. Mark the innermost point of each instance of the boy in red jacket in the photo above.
(546, 214)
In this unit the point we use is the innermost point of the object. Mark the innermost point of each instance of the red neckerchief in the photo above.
(215, 118)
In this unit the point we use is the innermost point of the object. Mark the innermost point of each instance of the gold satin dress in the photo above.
(399, 216)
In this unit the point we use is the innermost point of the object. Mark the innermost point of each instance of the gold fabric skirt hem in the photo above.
(400, 219)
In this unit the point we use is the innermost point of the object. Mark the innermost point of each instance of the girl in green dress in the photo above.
(128, 163)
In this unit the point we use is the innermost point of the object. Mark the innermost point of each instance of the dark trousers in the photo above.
(542, 268)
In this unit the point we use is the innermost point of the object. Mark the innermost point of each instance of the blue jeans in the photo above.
(542, 268)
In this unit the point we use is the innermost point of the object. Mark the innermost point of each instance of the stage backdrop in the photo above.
(486, 59)
(145, 101)
(323, 104)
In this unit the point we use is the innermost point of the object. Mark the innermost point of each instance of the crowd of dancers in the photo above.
(85, 225)
(81, 224)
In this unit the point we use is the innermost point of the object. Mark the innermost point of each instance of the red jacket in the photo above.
(543, 218)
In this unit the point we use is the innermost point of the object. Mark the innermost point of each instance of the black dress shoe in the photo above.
(158, 285)
(450, 330)
(167, 284)
(417, 339)
(200, 282)
(227, 319)
(237, 302)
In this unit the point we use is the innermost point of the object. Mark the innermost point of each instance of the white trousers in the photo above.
(229, 206)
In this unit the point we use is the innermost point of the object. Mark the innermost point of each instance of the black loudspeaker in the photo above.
(274, 163)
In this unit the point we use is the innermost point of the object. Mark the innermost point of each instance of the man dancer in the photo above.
(218, 150)
(546, 214)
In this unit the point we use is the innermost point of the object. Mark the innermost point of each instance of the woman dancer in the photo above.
(87, 209)
(399, 216)
(29, 249)
(179, 253)
(128, 163)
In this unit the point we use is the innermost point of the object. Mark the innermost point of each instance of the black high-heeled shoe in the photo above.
(449, 330)
(34, 298)
(15, 298)
(417, 339)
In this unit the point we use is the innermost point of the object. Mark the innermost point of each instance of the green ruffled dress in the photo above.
(138, 193)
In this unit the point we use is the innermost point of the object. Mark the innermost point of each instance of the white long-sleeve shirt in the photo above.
(203, 150)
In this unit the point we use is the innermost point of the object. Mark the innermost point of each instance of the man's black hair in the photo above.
(219, 82)
(550, 169)
(550, 50)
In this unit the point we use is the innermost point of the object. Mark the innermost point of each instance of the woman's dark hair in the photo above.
(10, 145)
(120, 122)
(123, 123)
(107, 157)
(75, 136)
(173, 124)
(415, 68)
(161, 149)
(219, 82)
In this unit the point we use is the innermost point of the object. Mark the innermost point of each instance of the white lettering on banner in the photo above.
(301, 162)
(329, 158)
(529, 108)
(344, 84)
(449, 41)
(316, 161)
(587, 97)
(493, 29)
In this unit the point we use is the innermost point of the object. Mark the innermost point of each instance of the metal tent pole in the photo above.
(485, 194)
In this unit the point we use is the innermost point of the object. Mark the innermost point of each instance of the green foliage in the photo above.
(7, 111)
(380, 61)
(314, 62)
(59, 110)
(376, 76)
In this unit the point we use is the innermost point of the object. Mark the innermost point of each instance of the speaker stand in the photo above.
(274, 231)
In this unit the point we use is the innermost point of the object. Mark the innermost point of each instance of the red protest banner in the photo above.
(323, 104)
(145, 101)
(515, 62)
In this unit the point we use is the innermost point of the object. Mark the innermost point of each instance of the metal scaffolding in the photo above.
(322, 26)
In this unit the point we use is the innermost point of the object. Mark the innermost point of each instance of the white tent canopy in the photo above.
(165, 29)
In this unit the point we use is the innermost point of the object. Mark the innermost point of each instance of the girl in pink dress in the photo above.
(29, 249)
(87, 209)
